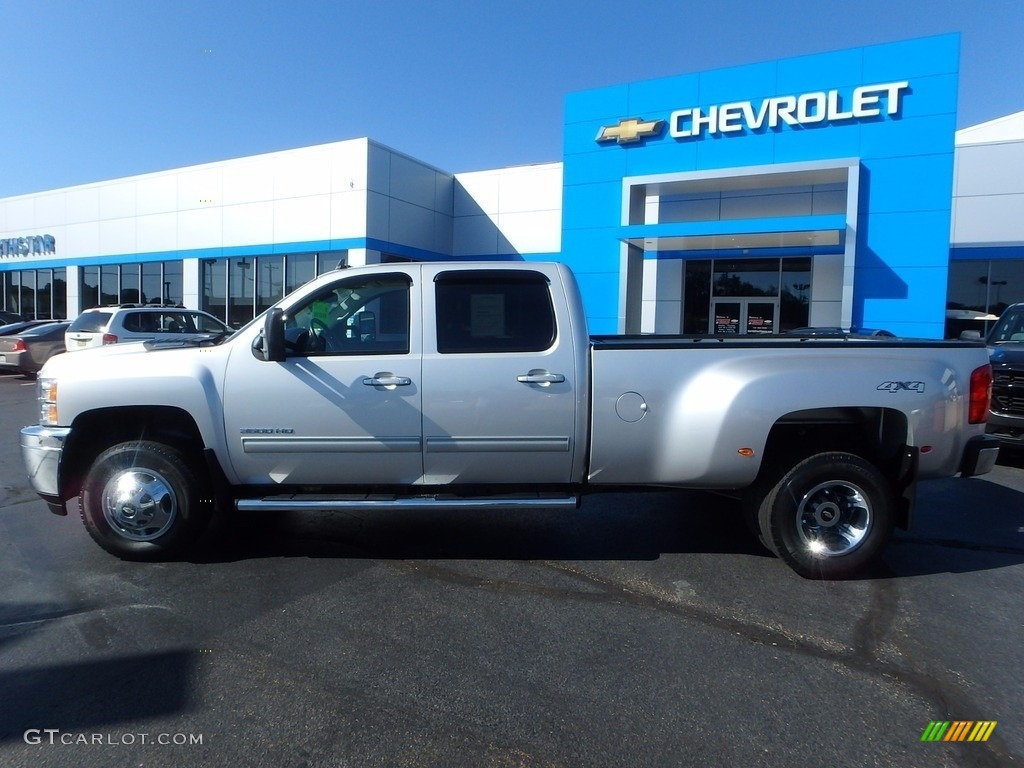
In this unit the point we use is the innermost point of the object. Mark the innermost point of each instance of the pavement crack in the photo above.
(870, 633)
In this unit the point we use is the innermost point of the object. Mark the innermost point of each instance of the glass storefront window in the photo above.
(173, 283)
(981, 288)
(149, 283)
(90, 288)
(241, 291)
(795, 297)
(27, 295)
(1006, 285)
(786, 281)
(697, 296)
(110, 287)
(328, 261)
(60, 293)
(130, 284)
(214, 281)
(152, 282)
(299, 269)
(269, 285)
(35, 294)
(746, 277)
(24, 294)
(239, 288)
(44, 299)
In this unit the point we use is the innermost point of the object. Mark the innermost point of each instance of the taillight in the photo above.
(109, 338)
(19, 346)
(981, 395)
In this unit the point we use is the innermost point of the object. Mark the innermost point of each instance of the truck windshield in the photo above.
(1009, 328)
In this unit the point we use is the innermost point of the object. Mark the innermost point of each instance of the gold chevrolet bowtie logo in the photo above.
(630, 130)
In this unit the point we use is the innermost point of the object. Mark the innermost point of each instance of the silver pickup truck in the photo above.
(428, 385)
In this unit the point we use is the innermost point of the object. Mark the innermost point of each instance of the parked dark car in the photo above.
(26, 352)
(1006, 352)
(21, 325)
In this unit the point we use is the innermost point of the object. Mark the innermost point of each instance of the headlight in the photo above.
(48, 402)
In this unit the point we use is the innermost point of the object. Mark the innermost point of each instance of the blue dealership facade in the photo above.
(822, 190)
(854, 174)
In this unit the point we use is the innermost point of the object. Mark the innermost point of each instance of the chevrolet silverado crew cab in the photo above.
(476, 385)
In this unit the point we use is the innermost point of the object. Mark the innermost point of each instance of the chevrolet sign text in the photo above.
(866, 101)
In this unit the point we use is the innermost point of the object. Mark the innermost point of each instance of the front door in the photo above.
(755, 316)
(344, 407)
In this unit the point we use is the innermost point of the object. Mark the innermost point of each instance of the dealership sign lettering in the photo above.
(865, 102)
(816, 107)
(28, 246)
(807, 109)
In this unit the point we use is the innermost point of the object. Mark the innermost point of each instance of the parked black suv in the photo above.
(1006, 351)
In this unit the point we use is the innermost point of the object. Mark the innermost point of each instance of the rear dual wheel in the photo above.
(828, 517)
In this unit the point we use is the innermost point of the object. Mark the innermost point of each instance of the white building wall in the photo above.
(508, 211)
(308, 194)
(408, 202)
(345, 191)
(988, 194)
(661, 309)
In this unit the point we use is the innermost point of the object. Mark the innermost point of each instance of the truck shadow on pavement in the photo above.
(613, 526)
(959, 526)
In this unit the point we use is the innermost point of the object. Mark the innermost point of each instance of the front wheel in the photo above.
(828, 517)
(142, 500)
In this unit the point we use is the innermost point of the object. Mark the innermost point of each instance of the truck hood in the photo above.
(1007, 353)
(61, 365)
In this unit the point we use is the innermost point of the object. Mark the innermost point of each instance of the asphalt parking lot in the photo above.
(639, 630)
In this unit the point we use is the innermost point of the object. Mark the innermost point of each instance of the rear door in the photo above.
(499, 378)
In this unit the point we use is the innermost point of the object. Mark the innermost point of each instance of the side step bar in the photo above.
(368, 503)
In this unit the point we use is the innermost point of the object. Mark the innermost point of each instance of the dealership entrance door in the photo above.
(743, 316)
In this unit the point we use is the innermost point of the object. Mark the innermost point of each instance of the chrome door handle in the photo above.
(386, 380)
(540, 377)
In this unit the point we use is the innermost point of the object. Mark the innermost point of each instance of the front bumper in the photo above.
(41, 449)
(980, 455)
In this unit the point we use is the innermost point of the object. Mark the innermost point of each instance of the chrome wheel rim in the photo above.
(139, 504)
(833, 518)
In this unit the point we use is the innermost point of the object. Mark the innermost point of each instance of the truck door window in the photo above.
(361, 316)
(493, 311)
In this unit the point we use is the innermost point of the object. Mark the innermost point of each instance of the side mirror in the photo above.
(970, 336)
(273, 336)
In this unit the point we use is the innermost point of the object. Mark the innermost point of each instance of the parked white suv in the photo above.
(135, 322)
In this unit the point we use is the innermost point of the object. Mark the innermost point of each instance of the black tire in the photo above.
(143, 500)
(829, 517)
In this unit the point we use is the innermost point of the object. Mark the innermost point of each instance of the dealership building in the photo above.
(822, 190)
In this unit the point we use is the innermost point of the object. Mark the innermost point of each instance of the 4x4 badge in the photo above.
(901, 386)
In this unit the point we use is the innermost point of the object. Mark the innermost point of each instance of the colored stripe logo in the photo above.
(958, 730)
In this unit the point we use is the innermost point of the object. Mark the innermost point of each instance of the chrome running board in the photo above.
(367, 503)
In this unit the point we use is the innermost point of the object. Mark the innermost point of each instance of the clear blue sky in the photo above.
(98, 90)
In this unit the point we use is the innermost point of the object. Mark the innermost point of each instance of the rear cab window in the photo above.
(494, 311)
